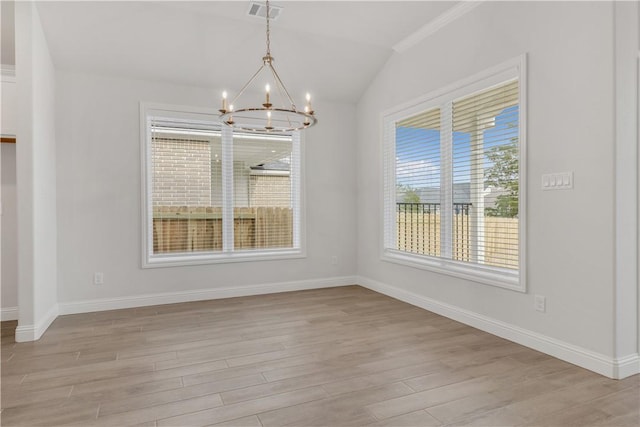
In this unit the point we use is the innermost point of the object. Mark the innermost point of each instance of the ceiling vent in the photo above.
(260, 10)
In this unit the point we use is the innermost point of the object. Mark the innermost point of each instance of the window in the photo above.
(454, 167)
(214, 195)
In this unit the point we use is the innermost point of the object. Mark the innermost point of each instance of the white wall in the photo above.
(99, 226)
(627, 50)
(36, 176)
(9, 230)
(570, 236)
(638, 177)
(9, 226)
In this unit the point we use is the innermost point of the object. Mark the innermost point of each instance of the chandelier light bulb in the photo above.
(230, 119)
(306, 119)
(307, 108)
(267, 104)
(224, 101)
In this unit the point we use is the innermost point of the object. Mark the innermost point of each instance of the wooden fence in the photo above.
(501, 242)
(184, 229)
(188, 229)
(419, 233)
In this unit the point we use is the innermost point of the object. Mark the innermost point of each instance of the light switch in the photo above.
(557, 181)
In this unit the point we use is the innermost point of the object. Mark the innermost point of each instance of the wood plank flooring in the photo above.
(329, 357)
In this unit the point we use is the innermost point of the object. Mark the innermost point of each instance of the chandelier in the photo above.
(266, 117)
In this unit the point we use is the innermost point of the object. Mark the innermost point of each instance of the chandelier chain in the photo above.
(268, 33)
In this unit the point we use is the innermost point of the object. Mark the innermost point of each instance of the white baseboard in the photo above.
(103, 304)
(626, 366)
(34, 332)
(599, 363)
(8, 313)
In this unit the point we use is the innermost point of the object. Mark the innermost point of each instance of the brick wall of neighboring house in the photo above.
(241, 184)
(270, 191)
(184, 174)
(181, 172)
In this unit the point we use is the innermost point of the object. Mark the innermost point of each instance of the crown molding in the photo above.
(431, 27)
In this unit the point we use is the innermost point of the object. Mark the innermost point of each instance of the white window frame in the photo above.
(443, 98)
(228, 254)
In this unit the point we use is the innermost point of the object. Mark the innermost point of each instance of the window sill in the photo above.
(502, 278)
(190, 258)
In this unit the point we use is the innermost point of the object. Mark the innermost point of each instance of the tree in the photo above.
(409, 195)
(503, 174)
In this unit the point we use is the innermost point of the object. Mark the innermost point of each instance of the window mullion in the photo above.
(295, 187)
(227, 190)
(446, 181)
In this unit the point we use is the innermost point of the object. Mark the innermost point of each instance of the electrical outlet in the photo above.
(98, 278)
(334, 260)
(540, 303)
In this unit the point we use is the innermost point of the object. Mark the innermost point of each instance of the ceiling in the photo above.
(332, 49)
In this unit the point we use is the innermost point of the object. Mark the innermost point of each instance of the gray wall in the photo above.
(570, 234)
(99, 195)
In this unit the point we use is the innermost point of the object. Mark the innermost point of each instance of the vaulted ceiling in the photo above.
(330, 48)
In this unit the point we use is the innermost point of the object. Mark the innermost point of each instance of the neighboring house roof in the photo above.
(275, 165)
(461, 194)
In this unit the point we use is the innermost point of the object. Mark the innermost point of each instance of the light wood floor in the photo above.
(330, 357)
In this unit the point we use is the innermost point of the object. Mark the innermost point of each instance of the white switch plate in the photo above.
(540, 303)
(557, 181)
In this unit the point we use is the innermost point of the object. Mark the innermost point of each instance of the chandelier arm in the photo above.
(247, 84)
(279, 81)
(289, 120)
(280, 89)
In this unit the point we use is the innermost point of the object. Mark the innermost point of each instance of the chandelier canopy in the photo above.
(266, 117)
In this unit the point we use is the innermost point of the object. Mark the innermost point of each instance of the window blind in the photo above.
(485, 171)
(263, 202)
(213, 191)
(418, 186)
(186, 202)
(451, 181)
